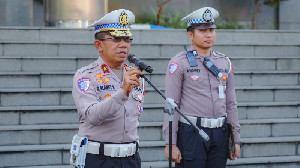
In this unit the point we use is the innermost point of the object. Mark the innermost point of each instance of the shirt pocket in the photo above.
(197, 78)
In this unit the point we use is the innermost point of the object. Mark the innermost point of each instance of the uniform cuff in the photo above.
(174, 139)
(237, 137)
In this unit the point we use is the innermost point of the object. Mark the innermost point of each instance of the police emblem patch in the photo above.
(84, 84)
(207, 15)
(123, 19)
(195, 77)
(173, 67)
(140, 108)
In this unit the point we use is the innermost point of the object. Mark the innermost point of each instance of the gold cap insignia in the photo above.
(123, 19)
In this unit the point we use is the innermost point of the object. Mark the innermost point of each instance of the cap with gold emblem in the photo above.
(203, 18)
(116, 23)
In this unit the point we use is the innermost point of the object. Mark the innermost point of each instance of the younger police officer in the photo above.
(205, 95)
(109, 96)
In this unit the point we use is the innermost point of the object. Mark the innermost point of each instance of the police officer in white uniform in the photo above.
(201, 81)
(109, 96)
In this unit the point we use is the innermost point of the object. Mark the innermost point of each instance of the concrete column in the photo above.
(16, 13)
(73, 13)
(289, 15)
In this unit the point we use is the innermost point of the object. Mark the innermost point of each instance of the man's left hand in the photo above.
(237, 153)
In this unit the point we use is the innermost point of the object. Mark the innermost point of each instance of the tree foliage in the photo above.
(160, 5)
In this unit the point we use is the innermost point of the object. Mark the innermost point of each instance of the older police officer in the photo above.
(109, 97)
(201, 81)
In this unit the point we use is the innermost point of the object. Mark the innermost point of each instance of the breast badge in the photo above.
(137, 94)
(194, 77)
(104, 81)
(99, 75)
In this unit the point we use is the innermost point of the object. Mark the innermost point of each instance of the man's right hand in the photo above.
(131, 79)
(176, 155)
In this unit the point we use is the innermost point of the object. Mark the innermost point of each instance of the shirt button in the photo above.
(127, 115)
(123, 99)
(126, 131)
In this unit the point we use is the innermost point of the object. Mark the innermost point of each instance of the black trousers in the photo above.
(199, 153)
(101, 161)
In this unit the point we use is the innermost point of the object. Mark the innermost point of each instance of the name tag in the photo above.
(106, 87)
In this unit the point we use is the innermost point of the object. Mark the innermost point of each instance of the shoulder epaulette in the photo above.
(218, 54)
(88, 68)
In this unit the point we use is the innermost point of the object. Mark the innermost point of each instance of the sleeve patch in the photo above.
(173, 67)
(84, 84)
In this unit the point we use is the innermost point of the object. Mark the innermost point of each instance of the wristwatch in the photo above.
(239, 143)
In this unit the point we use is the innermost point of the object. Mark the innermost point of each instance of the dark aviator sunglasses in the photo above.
(118, 39)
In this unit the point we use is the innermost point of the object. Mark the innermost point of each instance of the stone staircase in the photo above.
(38, 118)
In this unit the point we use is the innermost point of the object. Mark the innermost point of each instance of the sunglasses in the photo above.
(118, 39)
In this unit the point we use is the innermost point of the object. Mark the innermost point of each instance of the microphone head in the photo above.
(131, 58)
(140, 64)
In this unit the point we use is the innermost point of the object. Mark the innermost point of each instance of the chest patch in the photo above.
(195, 77)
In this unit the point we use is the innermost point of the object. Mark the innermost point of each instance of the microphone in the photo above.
(140, 64)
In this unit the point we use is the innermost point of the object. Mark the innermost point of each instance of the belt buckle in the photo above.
(123, 151)
(214, 123)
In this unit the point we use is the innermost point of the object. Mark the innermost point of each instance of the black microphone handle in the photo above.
(140, 64)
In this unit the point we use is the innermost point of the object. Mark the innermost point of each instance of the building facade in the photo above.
(79, 13)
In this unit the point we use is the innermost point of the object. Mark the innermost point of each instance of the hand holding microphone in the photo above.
(131, 79)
